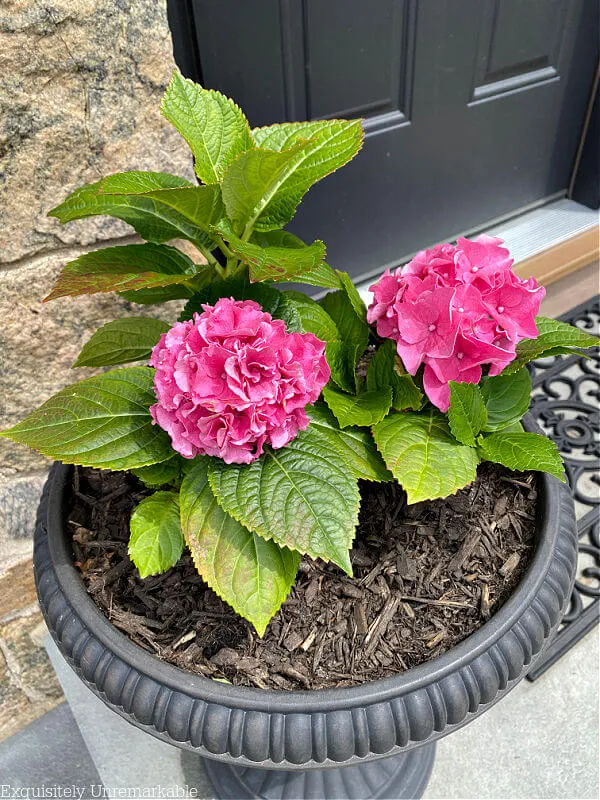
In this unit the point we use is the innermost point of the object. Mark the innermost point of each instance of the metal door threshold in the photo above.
(543, 228)
(532, 232)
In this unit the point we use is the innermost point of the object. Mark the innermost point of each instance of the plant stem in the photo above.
(209, 257)
(225, 249)
(231, 265)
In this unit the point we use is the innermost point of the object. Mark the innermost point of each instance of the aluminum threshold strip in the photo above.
(532, 232)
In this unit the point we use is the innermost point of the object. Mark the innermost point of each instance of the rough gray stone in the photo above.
(19, 498)
(80, 87)
(39, 343)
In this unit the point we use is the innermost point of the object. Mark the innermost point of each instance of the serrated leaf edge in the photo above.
(98, 465)
(213, 92)
(409, 495)
(260, 629)
(271, 536)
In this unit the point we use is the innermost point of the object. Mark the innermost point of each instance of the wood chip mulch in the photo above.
(425, 577)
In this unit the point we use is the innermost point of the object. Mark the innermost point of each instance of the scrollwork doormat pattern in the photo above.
(566, 405)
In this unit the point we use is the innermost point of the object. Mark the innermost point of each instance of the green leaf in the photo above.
(277, 239)
(385, 370)
(271, 300)
(467, 414)
(156, 475)
(213, 126)
(516, 427)
(252, 575)
(156, 541)
(313, 318)
(282, 136)
(281, 263)
(303, 496)
(131, 266)
(160, 294)
(159, 209)
(89, 200)
(423, 456)
(251, 183)
(368, 408)
(99, 422)
(356, 300)
(352, 329)
(321, 275)
(128, 339)
(507, 398)
(342, 358)
(356, 445)
(522, 451)
(263, 187)
(139, 182)
(567, 351)
(554, 338)
(201, 205)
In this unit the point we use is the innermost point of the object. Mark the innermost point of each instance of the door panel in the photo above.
(519, 44)
(472, 108)
(366, 78)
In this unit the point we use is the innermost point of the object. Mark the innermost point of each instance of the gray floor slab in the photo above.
(124, 755)
(48, 753)
(541, 741)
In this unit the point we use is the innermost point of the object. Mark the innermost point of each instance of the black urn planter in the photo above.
(374, 740)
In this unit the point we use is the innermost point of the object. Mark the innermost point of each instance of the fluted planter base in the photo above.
(403, 776)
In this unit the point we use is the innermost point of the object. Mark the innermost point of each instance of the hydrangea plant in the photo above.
(261, 408)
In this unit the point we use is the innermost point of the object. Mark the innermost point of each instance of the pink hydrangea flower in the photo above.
(232, 380)
(456, 309)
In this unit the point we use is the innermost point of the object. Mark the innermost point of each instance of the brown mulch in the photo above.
(425, 577)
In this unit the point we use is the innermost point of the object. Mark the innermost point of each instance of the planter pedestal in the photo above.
(403, 776)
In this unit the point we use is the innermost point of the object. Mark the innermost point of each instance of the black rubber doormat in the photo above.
(566, 405)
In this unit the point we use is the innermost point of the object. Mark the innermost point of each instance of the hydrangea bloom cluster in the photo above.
(456, 308)
(232, 380)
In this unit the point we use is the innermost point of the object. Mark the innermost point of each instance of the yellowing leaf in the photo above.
(251, 574)
(124, 268)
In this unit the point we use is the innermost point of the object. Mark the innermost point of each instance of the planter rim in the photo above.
(308, 700)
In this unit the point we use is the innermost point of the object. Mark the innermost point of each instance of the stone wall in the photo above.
(80, 86)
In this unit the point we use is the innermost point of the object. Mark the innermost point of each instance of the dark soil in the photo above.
(426, 577)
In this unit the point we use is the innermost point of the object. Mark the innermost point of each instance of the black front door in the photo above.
(473, 108)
